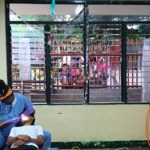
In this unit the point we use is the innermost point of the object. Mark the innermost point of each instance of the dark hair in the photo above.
(3, 88)
(33, 121)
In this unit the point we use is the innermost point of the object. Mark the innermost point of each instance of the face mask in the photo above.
(8, 100)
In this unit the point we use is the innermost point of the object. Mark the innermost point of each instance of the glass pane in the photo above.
(67, 63)
(28, 61)
(138, 62)
(105, 62)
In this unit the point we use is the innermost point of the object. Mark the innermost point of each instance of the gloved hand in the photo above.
(6, 126)
(29, 111)
(13, 121)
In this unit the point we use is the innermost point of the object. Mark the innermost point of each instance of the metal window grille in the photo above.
(51, 63)
(28, 61)
(138, 63)
(67, 63)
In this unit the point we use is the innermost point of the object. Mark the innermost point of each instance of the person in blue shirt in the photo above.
(12, 106)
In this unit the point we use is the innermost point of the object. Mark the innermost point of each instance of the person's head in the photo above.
(78, 72)
(27, 120)
(101, 59)
(64, 68)
(6, 94)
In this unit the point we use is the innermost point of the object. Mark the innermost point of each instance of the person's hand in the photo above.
(24, 138)
(2, 123)
(19, 143)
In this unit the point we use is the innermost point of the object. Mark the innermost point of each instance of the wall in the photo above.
(93, 123)
(84, 122)
(2, 42)
(3, 71)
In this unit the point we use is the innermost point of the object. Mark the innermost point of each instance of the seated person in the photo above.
(78, 79)
(64, 75)
(12, 105)
(102, 68)
(26, 137)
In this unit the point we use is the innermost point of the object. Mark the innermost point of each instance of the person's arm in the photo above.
(4, 112)
(14, 141)
(11, 114)
(14, 121)
(27, 102)
(4, 117)
(24, 138)
(40, 139)
(7, 116)
(22, 105)
(11, 138)
(17, 140)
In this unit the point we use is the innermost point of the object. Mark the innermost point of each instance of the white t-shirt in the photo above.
(33, 131)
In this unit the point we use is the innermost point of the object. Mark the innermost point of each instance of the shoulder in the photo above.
(38, 127)
(13, 128)
(18, 95)
(21, 96)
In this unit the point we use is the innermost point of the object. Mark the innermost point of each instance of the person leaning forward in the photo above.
(12, 106)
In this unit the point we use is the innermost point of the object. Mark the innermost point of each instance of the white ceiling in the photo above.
(44, 9)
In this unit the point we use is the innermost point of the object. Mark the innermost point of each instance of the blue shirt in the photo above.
(20, 104)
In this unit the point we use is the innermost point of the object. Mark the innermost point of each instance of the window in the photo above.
(54, 59)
